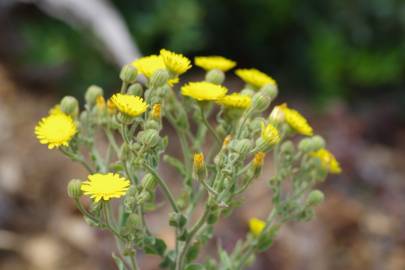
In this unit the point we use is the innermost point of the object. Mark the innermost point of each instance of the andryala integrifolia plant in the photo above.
(215, 178)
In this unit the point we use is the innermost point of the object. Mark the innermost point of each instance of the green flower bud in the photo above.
(74, 189)
(287, 148)
(135, 89)
(149, 137)
(215, 76)
(311, 144)
(143, 197)
(270, 90)
(128, 74)
(241, 147)
(152, 124)
(248, 92)
(260, 102)
(159, 78)
(149, 182)
(315, 197)
(92, 93)
(213, 216)
(256, 124)
(69, 105)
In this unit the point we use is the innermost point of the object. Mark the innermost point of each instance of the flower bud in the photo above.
(276, 115)
(258, 160)
(227, 140)
(270, 90)
(241, 147)
(100, 103)
(152, 124)
(149, 182)
(155, 113)
(215, 76)
(92, 93)
(111, 108)
(135, 89)
(311, 144)
(260, 102)
(142, 197)
(199, 169)
(315, 197)
(74, 189)
(128, 74)
(159, 78)
(149, 137)
(248, 92)
(69, 105)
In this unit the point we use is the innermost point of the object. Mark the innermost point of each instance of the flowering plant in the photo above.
(127, 170)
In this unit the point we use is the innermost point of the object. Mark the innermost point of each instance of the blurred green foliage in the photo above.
(336, 48)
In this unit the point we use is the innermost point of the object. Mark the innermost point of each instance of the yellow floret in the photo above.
(176, 63)
(105, 186)
(270, 134)
(256, 226)
(214, 62)
(328, 160)
(254, 77)
(236, 100)
(56, 130)
(129, 105)
(150, 64)
(204, 91)
(296, 120)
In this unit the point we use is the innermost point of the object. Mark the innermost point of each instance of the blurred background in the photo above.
(341, 62)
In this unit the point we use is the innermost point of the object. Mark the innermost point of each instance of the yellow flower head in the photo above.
(111, 107)
(56, 130)
(296, 120)
(129, 105)
(176, 63)
(105, 186)
(328, 160)
(156, 111)
(236, 100)
(198, 161)
(254, 77)
(259, 159)
(55, 109)
(150, 64)
(204, 91)
(270, 134)
(256, 226)
(214, 62)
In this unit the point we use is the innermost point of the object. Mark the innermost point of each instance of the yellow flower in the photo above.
(254, 77)
(100, 103)
(176, 63)
(55, 109)
(259, 159)
(150, 64)
(204, 90)
(256, 226)
(56, 130)
(328, 160)
(214, 62)
(270, 134)
(227, 140)
(129, 105)
(236, 100)
(111, 107)
(198, 161)
(105, 186)
(296, 121)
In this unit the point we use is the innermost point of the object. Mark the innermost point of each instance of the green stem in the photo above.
(112, 141)
(210, 128)
(134, 265)
(164, 186)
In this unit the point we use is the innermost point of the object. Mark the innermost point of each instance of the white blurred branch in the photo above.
(101, 18)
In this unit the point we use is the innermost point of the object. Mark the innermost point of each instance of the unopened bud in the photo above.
(315, 197)
(149, 137)
(152, 124)
(276, 115)
(100, 103)
(215, 76)
(69, 105)
(241, 147)
(74, 189)
(287, 148)
(111, 107)
(270, 90)
(92, 93)
(258, 160)
(128, 74)
(199, 169)
(260, 102)
(248, 92)
(149, 182)
(135, 89)
(311, 144)
(155, 113)
(177, 220)
(227, 140)
(159, 78)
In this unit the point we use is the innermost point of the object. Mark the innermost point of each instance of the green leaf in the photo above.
(192, 253)
(194, 266)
